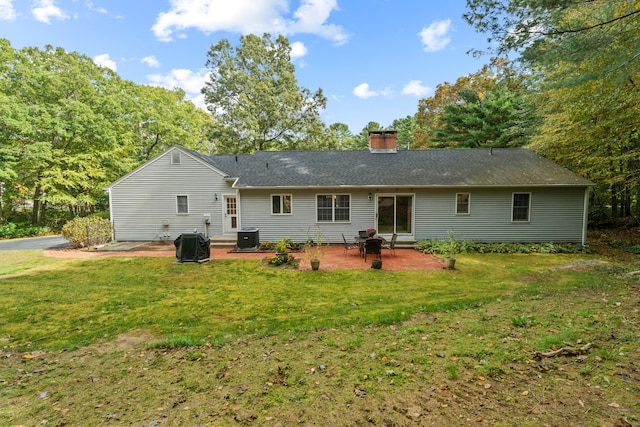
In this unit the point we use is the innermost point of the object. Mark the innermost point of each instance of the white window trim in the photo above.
(468, 204)
(176, 157)
(281, 195)
(528, 220)
(177, 204)
(333, 208)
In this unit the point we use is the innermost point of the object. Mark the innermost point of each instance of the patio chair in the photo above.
(392, 244)
(348, 246)
(373, 247)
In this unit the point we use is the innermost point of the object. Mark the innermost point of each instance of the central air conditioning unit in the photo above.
(248, 239)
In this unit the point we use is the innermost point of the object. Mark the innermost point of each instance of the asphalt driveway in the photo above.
(49, 242)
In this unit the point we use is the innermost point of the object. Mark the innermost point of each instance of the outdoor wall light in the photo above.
(215, 196)
(370, 196)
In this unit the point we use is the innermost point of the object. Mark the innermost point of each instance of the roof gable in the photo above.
(200, 158)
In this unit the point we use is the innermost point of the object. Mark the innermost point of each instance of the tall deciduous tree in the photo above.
(586, 57)
(255, 98)
(69, 127)
(62, 134)
(570, 30)
(593, 128)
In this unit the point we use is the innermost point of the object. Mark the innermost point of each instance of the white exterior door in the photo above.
(230, 212)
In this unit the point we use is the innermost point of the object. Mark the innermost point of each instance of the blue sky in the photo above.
(374, 59)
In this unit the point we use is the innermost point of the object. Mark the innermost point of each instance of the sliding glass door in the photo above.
(395, 214)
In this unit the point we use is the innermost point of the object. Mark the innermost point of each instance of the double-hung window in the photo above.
(281, 204)
(521, 207)
(333, 208)
(182, 204)
(463, 203)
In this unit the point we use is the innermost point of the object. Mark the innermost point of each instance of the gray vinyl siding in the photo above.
(141, 201)
(255, 211)
(556, 214)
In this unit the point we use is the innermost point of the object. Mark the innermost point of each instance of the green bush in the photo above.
(12, 230)
(442, 247)
(87, 231)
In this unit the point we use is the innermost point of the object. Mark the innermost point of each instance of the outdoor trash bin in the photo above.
(192, 247)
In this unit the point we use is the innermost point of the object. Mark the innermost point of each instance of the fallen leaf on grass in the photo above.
(614, 405)
(525, 393)
(623, 422)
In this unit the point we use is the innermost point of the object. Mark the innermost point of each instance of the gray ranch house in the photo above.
(505, 195)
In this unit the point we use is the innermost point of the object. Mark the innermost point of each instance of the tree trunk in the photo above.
(614, 203)
(626, 204)
(37, 205)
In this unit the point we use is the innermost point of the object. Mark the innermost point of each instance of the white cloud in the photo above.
(44, 10)
(298, 50)
(105, 60)
(249, 16)
(7, 12)
(98, 9)
(311, 18)
(416, 88)
(434, 37)
(151, 61)
(363, 91)
(190, 81)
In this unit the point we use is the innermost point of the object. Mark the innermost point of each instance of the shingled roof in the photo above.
(509, 167)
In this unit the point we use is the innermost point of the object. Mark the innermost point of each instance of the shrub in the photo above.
(284, 245)
(12, 230)
(87, 231)
(442, 247)
(277, 260)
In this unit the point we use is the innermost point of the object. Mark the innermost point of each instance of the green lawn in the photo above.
(145, 341)
(71, 303)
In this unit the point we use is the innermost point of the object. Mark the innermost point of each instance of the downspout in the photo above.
(113, 228)
(585, 216)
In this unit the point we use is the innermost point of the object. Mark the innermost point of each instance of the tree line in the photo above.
(569, 90)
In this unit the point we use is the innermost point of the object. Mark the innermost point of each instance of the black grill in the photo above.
(192, 247)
